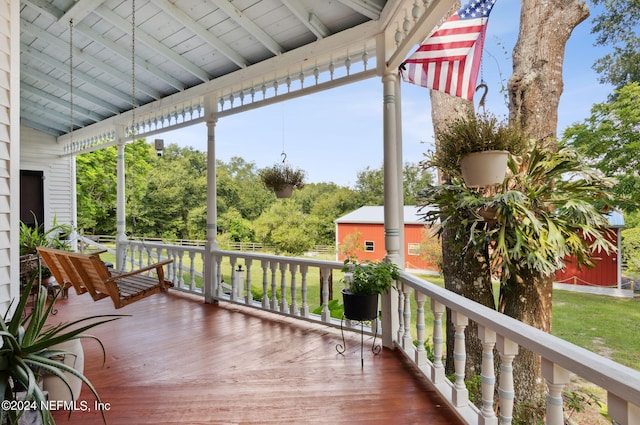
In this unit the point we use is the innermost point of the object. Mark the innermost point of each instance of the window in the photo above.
(413, 249)
(368, 246)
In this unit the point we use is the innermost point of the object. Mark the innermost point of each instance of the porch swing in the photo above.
(88, 272)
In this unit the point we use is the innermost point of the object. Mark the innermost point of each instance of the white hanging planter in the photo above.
(57, 389)
(485, 168)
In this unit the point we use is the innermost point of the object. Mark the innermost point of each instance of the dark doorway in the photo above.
(31, 197)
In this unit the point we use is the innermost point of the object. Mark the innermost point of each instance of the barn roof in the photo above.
(375, 215)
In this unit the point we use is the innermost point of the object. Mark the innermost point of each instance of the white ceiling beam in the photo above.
(59, 116)
(40, 126)
(56, 64)
(311, 21)
(367, 8)
(80, 10)
(239, 17)
(140, 62)
(154, 44)
(61, 102)
(41, 76)
(109, 44)
(201, 32)
(80, 54)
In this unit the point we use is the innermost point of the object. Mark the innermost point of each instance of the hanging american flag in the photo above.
(448, 60)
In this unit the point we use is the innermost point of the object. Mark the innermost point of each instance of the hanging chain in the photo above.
(133, 67)
(71, 81)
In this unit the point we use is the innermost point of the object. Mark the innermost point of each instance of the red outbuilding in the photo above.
(608, 268)
(361, 232)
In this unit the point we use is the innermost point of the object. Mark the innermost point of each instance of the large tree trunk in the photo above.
(534, 94)
(468, 274)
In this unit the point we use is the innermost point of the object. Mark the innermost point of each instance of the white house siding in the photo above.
(40, 152)
(9, 150)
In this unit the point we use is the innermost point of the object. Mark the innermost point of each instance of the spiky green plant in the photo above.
(26, 350)
(552, 206)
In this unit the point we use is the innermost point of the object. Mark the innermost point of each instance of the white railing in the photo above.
(560, 359)
(284, 289)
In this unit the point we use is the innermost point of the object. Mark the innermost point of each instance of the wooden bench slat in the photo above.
(88, 273)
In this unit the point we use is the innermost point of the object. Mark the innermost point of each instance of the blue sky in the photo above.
(335, 134)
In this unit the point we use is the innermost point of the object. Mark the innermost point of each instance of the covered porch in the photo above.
(267, 360)
(178, 360)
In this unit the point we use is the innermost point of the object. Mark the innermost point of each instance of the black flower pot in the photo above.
(360, 307)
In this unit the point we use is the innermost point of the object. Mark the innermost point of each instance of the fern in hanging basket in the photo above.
(474, 133)
(280, 175)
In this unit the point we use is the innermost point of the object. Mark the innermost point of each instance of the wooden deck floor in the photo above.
(176, 360)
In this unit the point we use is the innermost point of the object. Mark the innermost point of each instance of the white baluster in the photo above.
(460, 393)
(219, 277)
(192, 270)
(234, 283)
(304, 311)
(326, 313)
(508, 350)
(274, 298)
(437, 373)
(400, 312)
(248, 296)
(621, 411)
(487, 376)
(557, 378)
(421, 353)
(265, 282)
(407, 341)
(284, 306)
(294, 303)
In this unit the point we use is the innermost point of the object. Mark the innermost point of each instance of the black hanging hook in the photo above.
(284, 157)
(483, 99)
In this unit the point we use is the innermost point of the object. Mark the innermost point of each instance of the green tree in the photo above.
(239, 187)
(617, 27)
(235, 226)
(286, 227)
(177, 184)
(609, 139)
(370, 184)
(96, 191)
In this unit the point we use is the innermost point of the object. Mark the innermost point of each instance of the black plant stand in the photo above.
(375, 348)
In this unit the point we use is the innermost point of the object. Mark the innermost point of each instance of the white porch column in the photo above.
(392, 183)
(121, 213)
(210, 266)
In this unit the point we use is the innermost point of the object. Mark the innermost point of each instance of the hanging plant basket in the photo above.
(486, 168)
(282, 179)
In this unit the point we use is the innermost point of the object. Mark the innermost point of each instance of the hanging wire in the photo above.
(283, 154)
(71, 82)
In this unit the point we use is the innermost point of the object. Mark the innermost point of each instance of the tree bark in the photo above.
(534, 95)
(468, 274)
(536, 84)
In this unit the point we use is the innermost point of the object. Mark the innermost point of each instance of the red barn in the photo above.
(362, 233)
(608, 268)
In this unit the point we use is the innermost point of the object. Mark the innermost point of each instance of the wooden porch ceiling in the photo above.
(176, 360)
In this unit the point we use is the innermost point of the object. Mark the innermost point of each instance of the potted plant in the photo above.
(363, 282)
(33, 237)
(476, 147)
(282, 179)
(28, 351)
